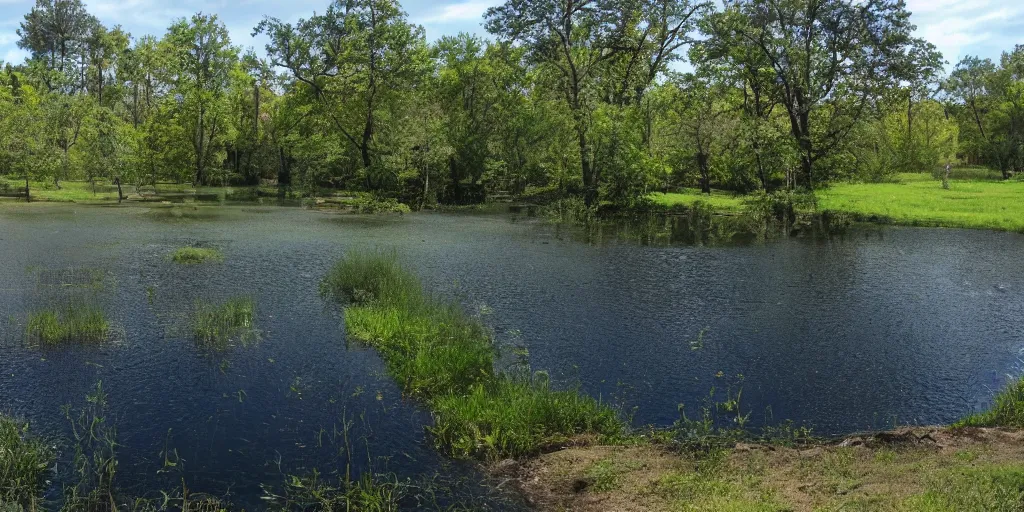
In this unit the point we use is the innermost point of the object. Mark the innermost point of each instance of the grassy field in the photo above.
(920, 200)
(104, 192)
(983, 201)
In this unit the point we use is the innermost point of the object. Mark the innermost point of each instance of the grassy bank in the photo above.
(924, 470)
(441, 355)
(975, 465)
(976, 199)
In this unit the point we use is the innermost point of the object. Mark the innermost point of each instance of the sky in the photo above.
(957, 27)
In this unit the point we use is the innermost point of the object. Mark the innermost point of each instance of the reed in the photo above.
(75, 323)
(219, 326)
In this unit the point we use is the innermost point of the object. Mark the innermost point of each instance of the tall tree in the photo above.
(831, 60)
(199, 71)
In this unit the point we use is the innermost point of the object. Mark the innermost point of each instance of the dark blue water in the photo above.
(879, 326)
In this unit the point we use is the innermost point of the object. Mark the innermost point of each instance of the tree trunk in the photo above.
(28, 195)
(705, 173)
(590, 178)
(120, 194)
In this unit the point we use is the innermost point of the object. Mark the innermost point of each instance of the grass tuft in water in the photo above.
(73, 324)
(514, 417)
(440, 354)
(218, 326)
(24, 466)
(370, 493)
(195, 255)
(1007, 411)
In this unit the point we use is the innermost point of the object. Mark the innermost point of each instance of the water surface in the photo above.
(860, 331)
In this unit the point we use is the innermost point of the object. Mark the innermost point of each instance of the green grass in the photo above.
(441, 355)
(24, 466)
(982, 489)
(370, 493)
(220, 326)
(194, 255)
(1006, 411)
(920, 200)
(977, 198)
(72, 324)
(516, 416)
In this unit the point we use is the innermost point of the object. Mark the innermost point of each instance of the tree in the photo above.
(199, 70)
(574, 38)
(830, 59)
(55, 33)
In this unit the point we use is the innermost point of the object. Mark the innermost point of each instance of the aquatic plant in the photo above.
(1006, 411)
(24, 466)
(217, 326)
(74, 323)
(194, 255)
(440, 354)
(94, 459)
(370, 493)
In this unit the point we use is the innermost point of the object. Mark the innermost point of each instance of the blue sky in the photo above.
(957, 27)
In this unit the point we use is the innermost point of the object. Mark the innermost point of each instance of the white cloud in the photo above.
(15, 56)
(471, 10)
(961, 27)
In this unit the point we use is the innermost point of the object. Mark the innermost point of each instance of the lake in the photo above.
(867, 329)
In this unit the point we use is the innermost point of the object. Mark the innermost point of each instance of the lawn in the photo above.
(912, 199)
(920, 200)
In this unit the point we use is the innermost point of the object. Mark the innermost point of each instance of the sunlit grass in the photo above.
(920, 200)
(1006, 411)
(438, 353)
(71, 324)
(194, 255)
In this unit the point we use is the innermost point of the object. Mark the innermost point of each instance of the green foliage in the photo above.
(194, 255)
(75, 323)
(218, 326)
(439, 354)
(94, 460)
(24, 466)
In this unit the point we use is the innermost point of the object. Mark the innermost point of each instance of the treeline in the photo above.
(583, 97)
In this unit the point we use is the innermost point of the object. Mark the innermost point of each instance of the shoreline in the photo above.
(910, 468)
